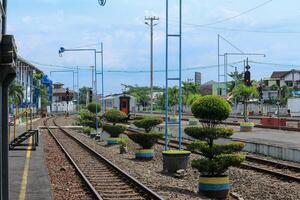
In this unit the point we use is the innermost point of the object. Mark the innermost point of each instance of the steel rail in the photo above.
(85, 179)
(141, 188)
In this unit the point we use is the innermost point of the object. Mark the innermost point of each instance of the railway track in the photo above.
(280, 170)
(106, 180)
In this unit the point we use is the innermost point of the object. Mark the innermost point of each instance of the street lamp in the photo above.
(62, 50)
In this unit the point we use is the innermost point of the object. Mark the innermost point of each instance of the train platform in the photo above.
(28, 176)
(288, 139)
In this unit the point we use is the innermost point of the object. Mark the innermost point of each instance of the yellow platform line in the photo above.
(22, 194)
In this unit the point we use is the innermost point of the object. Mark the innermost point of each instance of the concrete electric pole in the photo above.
(150, 22)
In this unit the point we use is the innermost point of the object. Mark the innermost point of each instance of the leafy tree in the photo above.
(142, 94)
(15, 93)
(82, 95)
(237, 79)
(243, 93)
(189, 89)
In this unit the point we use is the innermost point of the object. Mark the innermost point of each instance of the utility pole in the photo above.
(151, 25)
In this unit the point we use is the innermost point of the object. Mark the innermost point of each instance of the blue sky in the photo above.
(42, 26)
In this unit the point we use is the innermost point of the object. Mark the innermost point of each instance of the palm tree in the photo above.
(15, 93)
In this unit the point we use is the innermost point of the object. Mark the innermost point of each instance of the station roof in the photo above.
(26, 62)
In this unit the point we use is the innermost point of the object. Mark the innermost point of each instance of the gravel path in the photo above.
(247, 183)
(65, 181)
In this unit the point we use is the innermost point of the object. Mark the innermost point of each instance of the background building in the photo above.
(59, 99)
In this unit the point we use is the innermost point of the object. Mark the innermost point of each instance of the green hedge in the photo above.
(114, 130)
(217, 149)
(202, 133)
(87, 130)
(211, 108)
(88, 119)
(92, 107)
(145, 140)
(115, 116)
(148, 123)
(218, 165)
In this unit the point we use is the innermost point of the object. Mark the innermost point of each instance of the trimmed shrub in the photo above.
(218, 165)
(87, 130)
(115, 116)
(217, 157)
(145, 140)
(148, 123)
(88, 119)
(202, 133)
(211, 108)
(114, 130)
(92, 107)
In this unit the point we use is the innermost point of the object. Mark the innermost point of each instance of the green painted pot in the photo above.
(174, 160)
(112, 141)
(246, 126)
(214, 187)
(144, 154)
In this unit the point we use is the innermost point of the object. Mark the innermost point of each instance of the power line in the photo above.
(238, 15)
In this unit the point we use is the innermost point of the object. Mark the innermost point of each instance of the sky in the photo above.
(41, 27)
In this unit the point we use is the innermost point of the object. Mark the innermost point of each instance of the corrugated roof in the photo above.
(279, 74)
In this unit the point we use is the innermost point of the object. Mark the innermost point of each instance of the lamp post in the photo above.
(102, 81)
(62, 50)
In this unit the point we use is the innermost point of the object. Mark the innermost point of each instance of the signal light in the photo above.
(90, 96)
(67, 95)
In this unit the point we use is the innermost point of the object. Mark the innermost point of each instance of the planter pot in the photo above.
(112, 141)
(144, 154)
(246, 126)
(175, 160)
(214, 187)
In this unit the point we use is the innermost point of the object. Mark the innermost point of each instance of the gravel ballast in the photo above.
(248, 184)
(66, 183)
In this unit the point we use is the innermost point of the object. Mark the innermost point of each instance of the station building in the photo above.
(24, 76)
(59, 100)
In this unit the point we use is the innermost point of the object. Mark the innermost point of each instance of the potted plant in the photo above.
(88, 119)
(217, 158)
(123, 145)
(174, 160)
(148, 139)
(114, 116)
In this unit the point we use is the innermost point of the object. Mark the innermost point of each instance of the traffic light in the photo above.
(67, 95)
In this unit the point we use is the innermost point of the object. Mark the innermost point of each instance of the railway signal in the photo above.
(67, 95)
(247, 76)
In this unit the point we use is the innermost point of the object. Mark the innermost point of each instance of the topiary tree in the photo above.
(148, 123)
(92, 107)
(114, 116)
(148, 139)
(243, 93)
(87, 119)
(211, 110)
